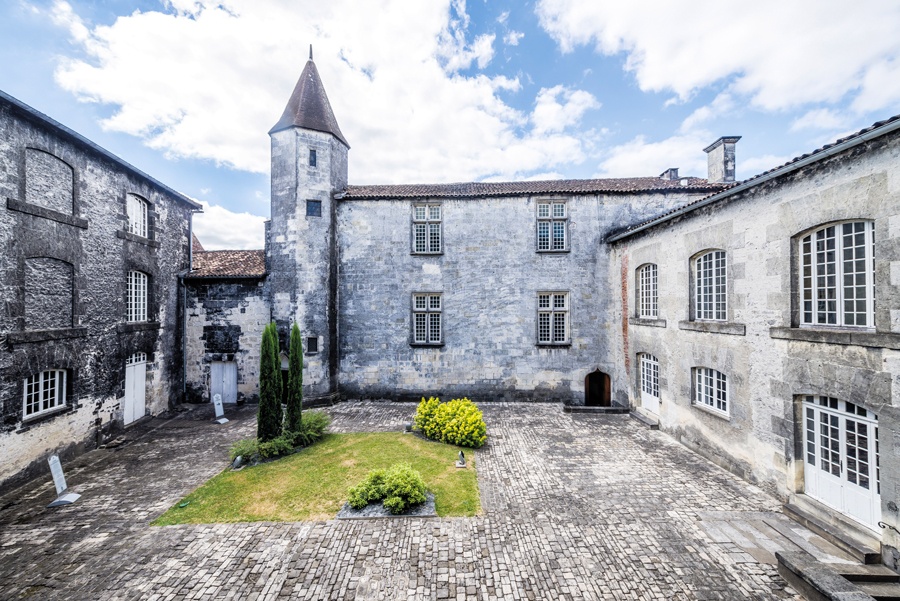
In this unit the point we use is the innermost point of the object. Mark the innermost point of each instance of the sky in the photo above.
(431, 91)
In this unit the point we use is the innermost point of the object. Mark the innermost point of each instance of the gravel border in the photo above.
(377, 511)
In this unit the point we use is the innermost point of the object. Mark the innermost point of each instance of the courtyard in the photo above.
(574, 506)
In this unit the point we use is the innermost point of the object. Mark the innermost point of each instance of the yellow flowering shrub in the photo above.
(458, 422)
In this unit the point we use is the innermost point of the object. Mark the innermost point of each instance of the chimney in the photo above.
(669, 174)
(720, 158)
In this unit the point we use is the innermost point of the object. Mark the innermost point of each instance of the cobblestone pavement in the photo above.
(575, 507)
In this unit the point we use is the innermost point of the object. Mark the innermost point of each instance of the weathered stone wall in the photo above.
(489, 275)
(225, 320)
(769, 361)
(62, 222)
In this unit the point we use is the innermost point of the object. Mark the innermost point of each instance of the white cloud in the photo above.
(217, 228)
(819, 119)
(207, 79)
(778, 54)
(755, 165)
(513, 38)
(639, 157)
(722, 104)
(551, 115)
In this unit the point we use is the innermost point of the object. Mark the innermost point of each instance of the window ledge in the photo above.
(646, 321)
(847, 337)
(124, 328)
(553, 344)
(30, 422)
(44, 335)
(38, 211)
(714, 327)
(421, 254)
(426, 344)
(711, 411)
(135, 238)
(553, 252)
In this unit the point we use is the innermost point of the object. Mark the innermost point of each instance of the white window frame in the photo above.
(427, 318)
(552, 228)
(43, 393)
(648, 291)
(649, 374)
(137, 209)
(711, 286)
(711, 390)
(829, 256)
(553, 318)
(427, 229)
(136, 300)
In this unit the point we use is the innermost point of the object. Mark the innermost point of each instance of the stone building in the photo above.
(90, 309)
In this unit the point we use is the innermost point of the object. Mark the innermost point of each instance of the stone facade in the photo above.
(67, 254)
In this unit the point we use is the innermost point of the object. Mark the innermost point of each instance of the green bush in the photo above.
(245, 448)
(400, 486)
(458, 422)
(282, 445)
(312, 428)
(269, 417)
(295, 382)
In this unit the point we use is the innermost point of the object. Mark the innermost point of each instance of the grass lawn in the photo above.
(312, 484)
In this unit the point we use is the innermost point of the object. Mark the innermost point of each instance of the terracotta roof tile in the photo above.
(229, 264)
(560, 186)
(308, 106)
(195, 243)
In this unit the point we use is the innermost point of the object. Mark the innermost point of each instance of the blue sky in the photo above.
(448, 90)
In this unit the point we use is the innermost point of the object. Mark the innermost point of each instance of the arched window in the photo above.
(710, 286)
(837, 283)
(648, 304)
(711, 389)
(136, 208)
(136, 297)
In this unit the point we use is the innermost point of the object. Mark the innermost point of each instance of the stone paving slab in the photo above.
(575, 507)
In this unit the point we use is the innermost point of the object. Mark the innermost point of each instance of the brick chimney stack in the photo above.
(720, 158)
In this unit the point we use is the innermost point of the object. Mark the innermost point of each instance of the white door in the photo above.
(841, 468)
(649, 375)
(135, 387)
(223, 380)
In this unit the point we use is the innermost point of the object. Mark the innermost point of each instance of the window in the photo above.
(312, 157)
(312, 345)
(647, 292)
(44, 392)
(427, 319)
(313, 208)
(551, 226)
(649, 375)
(710, 290)
(837, 275)
(136, 301)
(136, 207)
(426, 229)
(553, 318)
(711, 389)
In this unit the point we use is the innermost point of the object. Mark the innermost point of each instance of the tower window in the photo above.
(312, 345)
(312, 157)
(313, 208)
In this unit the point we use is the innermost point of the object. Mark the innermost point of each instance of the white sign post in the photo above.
(59, 480)
(220, 411)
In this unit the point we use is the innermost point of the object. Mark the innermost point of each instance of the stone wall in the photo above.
(225, 320)
(62, 298)
(770, 362)
(489, 275)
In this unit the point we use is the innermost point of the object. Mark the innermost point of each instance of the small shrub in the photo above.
(458, 422)
(282, 445)
(245, 448)
(400, 486)
(312, 428)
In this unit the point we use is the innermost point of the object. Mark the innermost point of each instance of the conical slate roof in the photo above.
(309, 107)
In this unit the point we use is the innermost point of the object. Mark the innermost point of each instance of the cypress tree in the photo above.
(269, 418)
(295, 382)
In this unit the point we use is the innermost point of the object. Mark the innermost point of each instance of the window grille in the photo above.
(427, 229)
(647, 285)
(44, 392)
(136, 303)
(136, 207)
(711, 389)
(553, 318)
(710, 291)
(427, 319)
(552, 225)
(837, 275)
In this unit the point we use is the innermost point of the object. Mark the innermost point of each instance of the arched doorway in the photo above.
(597, 389)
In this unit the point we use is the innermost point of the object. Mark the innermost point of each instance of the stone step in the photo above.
(858, 550)
(583, 409)
(867, 573)
(817, 581)
(881, 591)
(649, 421)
